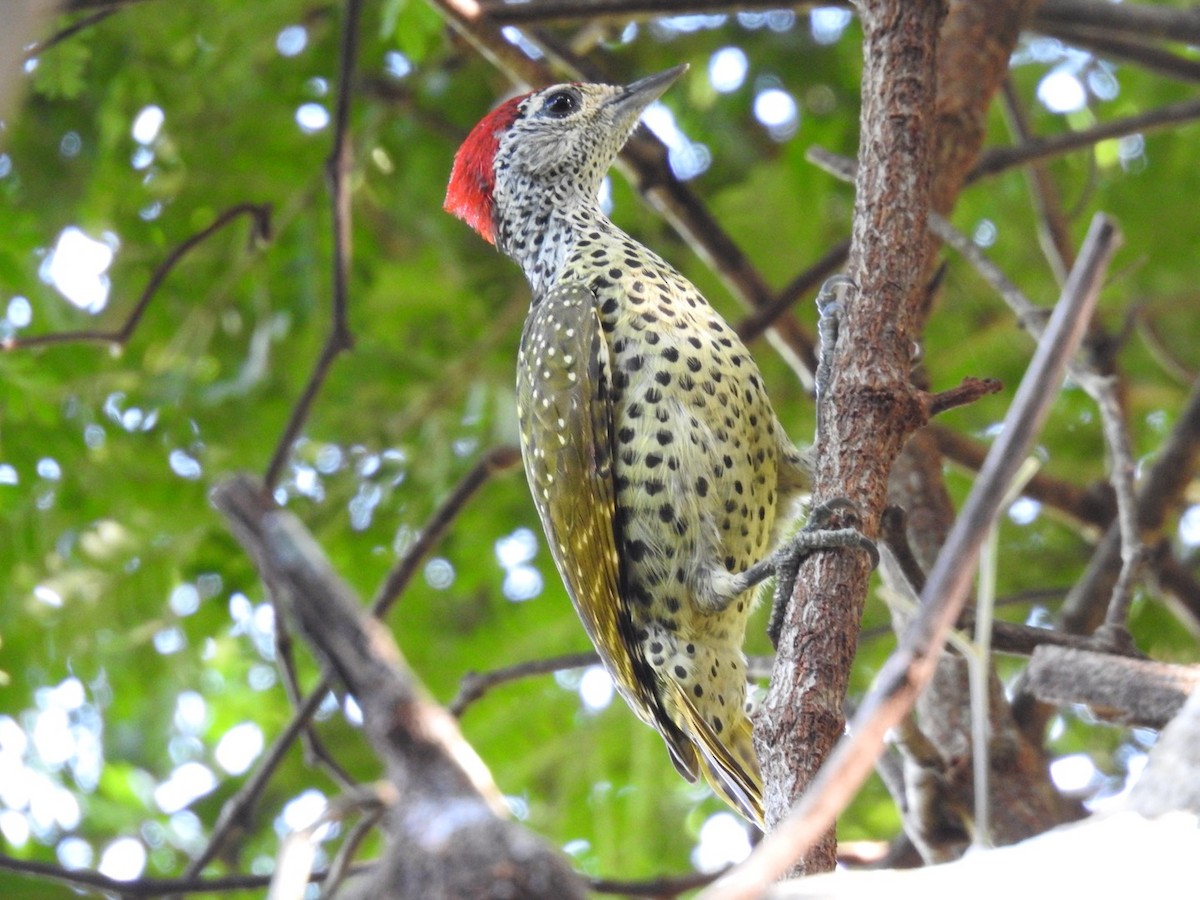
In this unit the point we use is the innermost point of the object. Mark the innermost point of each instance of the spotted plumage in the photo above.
(657, 465)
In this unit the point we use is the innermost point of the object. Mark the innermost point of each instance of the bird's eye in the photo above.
(560, 104)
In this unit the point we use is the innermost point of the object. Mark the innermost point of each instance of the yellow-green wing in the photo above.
(565, 406)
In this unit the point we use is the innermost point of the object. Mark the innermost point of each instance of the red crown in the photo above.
(472, 181)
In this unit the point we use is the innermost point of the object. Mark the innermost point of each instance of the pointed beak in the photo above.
(634, 98)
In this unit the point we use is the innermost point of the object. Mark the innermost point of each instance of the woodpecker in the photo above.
(661, 475)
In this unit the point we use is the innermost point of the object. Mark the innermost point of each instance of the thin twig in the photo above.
(1163, 484)
(1178, 584)
(1092, 506)
(1144, 20)
(236, 811)
(337, 170)
(893, 528)
(475, 684)
(1053, 234)
(81, 5)
(911, 666)
(343, 860)
(493, 462)
(546, 12)
(1148, 328)
(810, 279)
(260, 213)
(1103, 389)
(316, 755)
(662, 888)
(971, 390)
(70, 31)
(1006, 637)
(1141, 19)
(1000, 159)
(1131, 50)
(81, 879)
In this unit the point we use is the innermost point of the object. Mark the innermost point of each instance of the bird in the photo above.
(662, 477)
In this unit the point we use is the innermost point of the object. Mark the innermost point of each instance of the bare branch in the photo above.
(966, 393)
(1130, 49)
(999, 159)
(315, 753)
(1162, 486)
(475, 684)
(757, 322)
(659, 888)
(65, 33)
(81, 879)
(259, 213)
(1052, 222)
(236, 812)
(1142, 19)
(493, 462)
(82, 5)
(337, 170)
(1115, 688)
(541, 12)
(1007, 637)
(1120, 450)
(1092, 506)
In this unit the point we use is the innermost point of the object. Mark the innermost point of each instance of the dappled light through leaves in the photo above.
(169, 166)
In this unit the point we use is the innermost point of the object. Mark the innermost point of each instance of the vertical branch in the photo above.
(337, 171)
(876, 406)
(1133, 550)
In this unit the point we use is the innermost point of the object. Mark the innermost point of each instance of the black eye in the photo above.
(561, 104)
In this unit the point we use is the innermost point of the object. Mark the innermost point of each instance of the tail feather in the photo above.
(729, 763)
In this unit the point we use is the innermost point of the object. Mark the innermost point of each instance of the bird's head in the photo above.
(555, 143)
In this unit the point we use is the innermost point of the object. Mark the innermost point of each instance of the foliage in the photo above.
(136, 636)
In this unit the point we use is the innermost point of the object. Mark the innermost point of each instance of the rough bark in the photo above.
(871, 401)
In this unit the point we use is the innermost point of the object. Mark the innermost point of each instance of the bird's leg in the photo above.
(715, 592)
(816, 535)
(721, 587)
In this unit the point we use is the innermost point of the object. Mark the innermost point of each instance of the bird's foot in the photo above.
(816, 535)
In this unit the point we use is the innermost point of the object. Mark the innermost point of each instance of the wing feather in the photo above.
(565, 405)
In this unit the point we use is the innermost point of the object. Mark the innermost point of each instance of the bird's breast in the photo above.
(695, 458)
